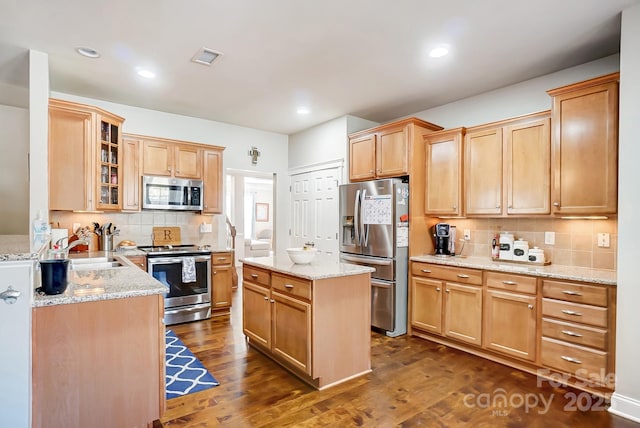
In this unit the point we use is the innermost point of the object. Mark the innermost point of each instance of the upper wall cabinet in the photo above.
(212, 192)
(384, 151)
(85, 151)
(131, 167)
(507, 167)
(444, 172)
(585, 147)
(171, 158)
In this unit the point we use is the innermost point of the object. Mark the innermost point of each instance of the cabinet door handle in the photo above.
(438, 289)
(266, 298)
(556, 204)
(509, 282)
(530, 306)
(254, 275)
(426, 271)
(454, 207)
(10, 295)
(215, 272)
(571, 293)
(222, 258)
(462, 275)
(574, 313)
(273, 301)
(288, 286)
(498, 206)
(571, 360)
(447, 290)
(571, 333)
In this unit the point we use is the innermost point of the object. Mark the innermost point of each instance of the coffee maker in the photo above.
(443, 239)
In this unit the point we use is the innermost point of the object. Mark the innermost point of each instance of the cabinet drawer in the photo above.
(575, 333)
(577, 293)
(460, 275)
(593, 315)
(255, 275)
(511, 282)
(220, 259)
(296, 286)
(581, 362)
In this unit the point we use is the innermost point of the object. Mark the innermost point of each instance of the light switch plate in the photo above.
(206, 228)
(603, 240)
(549, 238)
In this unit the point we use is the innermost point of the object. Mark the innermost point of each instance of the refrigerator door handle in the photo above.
(364, 231)
(366, 260)
(356, 213)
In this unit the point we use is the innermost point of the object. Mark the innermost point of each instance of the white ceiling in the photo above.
(366, 58)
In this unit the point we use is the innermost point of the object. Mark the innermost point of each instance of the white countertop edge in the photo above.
(318, 269)
(572, 273)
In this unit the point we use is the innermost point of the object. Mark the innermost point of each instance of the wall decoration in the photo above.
(262, 212)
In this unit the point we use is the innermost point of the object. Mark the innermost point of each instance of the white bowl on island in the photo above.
(301, 256)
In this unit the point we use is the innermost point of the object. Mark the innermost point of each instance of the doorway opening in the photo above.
(250, 208)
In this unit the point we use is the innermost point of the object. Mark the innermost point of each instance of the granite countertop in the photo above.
(597, 276)
(102, 284)
(321, 267)
(20, 247)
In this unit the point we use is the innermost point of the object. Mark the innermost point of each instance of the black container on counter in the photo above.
(54, 275)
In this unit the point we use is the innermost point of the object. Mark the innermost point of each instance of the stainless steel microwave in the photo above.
(167, 193)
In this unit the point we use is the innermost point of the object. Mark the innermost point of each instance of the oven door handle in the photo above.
(171, 260)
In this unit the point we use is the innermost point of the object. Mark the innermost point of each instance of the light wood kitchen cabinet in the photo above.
(99, 363)
(426, 304)
(578, 335)
(585, 147)
(385, 151)
(212, 192)
(171, 158)
(510, 315)
(507, 167)
(140, 261)
(85, 158)
(444, 153)
(221, 281)
(131, 173)
(463, 312)
(294, 320)
(441, 306)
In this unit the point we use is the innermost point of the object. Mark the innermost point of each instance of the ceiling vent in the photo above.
(205, 56)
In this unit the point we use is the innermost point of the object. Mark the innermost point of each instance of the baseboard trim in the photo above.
(625, 407)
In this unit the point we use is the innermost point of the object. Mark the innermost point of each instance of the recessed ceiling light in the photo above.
(206, 56)
(438, 52)
(303, 110)
(88, 52)
(147, 74)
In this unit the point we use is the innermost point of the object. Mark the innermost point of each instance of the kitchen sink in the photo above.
(94, 263)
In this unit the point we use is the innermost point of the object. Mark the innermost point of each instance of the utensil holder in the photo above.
(105, 242)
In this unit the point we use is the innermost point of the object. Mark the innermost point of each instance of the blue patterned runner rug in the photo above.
(185, 373)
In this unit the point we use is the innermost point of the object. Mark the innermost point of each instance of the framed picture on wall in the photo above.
(262, 212)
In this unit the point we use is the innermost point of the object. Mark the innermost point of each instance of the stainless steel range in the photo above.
(186, 270)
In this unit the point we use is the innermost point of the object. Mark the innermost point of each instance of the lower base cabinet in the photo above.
(99, 364)
(543, 326)
(222, 270)
(320, 330)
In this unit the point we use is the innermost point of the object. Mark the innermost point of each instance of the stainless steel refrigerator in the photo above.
(374, 231)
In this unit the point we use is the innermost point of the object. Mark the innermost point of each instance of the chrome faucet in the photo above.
(63, 253)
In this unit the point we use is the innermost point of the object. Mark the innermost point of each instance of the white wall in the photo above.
(237, 140)
(14, 181)
(38, 135)
(626, 399)
(522, 98)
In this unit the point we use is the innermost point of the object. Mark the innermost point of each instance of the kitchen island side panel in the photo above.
(342, 333)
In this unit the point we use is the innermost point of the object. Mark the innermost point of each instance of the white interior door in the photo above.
(314, 209)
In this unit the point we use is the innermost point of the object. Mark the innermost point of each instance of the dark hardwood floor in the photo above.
(414, 383)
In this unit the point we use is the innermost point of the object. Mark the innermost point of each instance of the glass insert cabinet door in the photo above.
(109, 165)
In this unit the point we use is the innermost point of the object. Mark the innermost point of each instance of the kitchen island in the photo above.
(314, 319)
(98, 349)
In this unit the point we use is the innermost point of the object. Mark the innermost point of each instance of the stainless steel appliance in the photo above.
(186, 300)
(167, 193)
(374, 231)
(442, 239)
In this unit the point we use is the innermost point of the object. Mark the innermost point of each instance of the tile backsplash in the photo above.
(576, 242)
(138, 227)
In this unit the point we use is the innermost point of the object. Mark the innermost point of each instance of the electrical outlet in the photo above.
(603, 240)
(467, 235)
(206, 228)
(550, 238)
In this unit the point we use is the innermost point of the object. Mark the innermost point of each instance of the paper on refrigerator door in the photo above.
(377, 210)
(402, 235)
